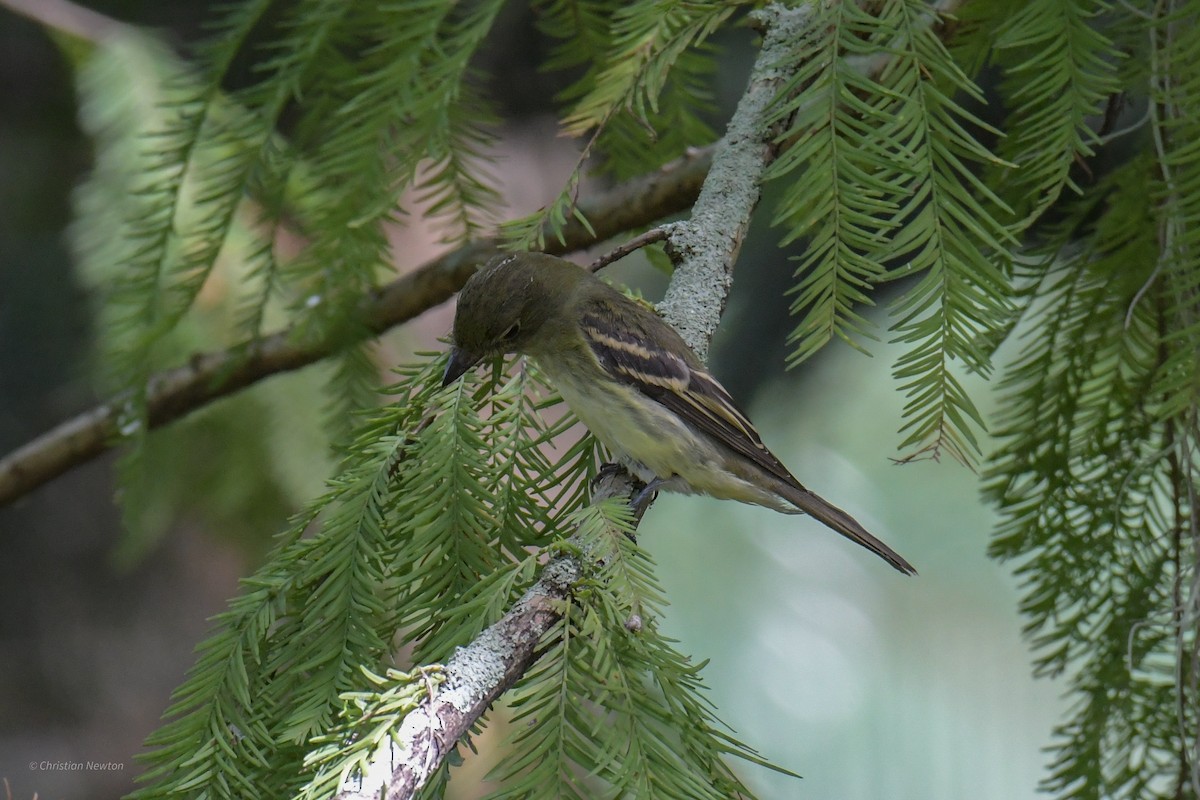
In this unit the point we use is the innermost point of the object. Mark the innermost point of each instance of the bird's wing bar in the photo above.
(630, 354)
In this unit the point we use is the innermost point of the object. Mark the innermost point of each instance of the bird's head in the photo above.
(504, 306)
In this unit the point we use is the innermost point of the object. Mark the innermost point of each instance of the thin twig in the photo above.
(636, 243)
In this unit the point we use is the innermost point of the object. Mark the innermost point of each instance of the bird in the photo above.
(636, 385)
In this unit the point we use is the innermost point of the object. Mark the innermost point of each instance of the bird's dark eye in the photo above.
(512, 332)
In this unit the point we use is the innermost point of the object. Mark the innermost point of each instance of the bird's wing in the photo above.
(627, 349)
(643, 352)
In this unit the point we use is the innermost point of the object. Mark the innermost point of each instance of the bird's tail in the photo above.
(846, 525)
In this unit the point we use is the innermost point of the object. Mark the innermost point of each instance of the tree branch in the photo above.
(210, 376)
(475, 677)
(66, 17)
(706, 247)
(704, 250)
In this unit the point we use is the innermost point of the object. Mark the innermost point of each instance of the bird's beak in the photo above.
(458, 365)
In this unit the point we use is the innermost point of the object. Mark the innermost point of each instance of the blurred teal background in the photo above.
(867, 683)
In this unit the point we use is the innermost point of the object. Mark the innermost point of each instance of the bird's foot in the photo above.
(606, 471)
(642, 500)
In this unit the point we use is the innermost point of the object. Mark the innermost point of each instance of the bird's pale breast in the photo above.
(652, 442)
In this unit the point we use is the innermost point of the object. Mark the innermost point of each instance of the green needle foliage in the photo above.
(366, 121)
(430, 531)
(1096, 472)
(369, 719)
(900, 196)
(640, 99)
(1096, 480)
(1022, 178)
(621, 737)
(329, 603)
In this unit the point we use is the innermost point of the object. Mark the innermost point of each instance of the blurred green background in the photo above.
(869, 684)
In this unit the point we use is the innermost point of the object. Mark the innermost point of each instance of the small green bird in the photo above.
(635, 383)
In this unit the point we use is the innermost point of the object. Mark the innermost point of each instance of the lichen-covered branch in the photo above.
(705, 247)
(474, 678)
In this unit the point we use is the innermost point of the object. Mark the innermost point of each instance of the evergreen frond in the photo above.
(271, 675)
(529, 232)
(156, 211)
(582, 31)
(610, 687)
(388, 111)
(629, 145)
(195, 163)
(1060, 69)
(960, 305)
(383, 109)
(834, 138)
(482, 508)
(453, 539)
(352, 386)
(1175, 97)
(648, 38)
(263, 283)
(122, 98)
(903, 187)
(456, 185)
(542, 765)
(641, 105)
(1090, 481)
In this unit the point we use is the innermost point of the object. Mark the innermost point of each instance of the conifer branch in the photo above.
(207, 377)
(475, 677)
(704, 250)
